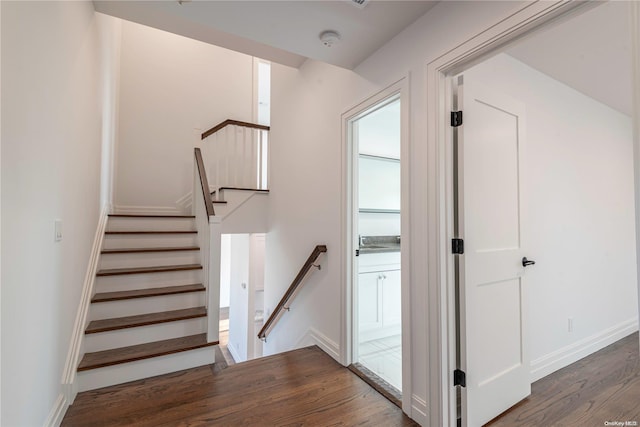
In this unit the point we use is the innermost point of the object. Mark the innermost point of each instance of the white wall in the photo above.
(579, 220)
(169, 86)
(51, 144)
(305, 197)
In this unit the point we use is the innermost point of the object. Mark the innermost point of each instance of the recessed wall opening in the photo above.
(241, 296)
(375, 141)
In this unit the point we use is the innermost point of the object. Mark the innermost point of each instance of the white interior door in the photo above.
(493, 300)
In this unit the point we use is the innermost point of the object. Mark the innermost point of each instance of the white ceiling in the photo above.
(282, 31)
(590, 52)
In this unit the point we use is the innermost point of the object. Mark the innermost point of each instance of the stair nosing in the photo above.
(81, 368)
(148, 293)
(153, 232)
(136, 324)
(146, 270)
(143, 250)
(149, 216)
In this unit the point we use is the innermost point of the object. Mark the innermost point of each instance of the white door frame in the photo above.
(441, 320)
(348, 310)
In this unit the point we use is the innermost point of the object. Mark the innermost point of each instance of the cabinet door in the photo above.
(369, 301)
(391, 298)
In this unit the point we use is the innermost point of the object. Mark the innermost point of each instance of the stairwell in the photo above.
(148, 314)
(154, 308)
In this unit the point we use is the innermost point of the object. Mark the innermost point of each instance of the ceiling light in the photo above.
(329, 38)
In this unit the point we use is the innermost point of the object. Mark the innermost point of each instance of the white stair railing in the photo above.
(237, 155)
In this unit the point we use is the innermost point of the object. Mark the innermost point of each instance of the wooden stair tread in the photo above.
(244, 189)
(141, 270)
(240, 189)
(132, 353)
(153, 232)
(141, 250)
(149, 216)
(144, 319)
(145, 293)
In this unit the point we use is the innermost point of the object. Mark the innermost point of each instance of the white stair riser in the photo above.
(143, 334)
(152, 224)
(125, 372)
(129, 282)
(148, 259)
(132, 307)
(122, 241)
(221, 209)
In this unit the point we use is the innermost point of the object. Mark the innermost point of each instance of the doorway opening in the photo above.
(241, 296)
(375, 144)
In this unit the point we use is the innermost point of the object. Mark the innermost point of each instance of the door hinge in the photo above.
(459, 378)
(357, 252)
(457, 246)
(456, 118)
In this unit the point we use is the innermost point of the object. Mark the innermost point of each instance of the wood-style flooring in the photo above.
(603, 387)
(303, 387)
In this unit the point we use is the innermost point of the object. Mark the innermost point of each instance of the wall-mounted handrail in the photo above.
(292, 289)
(228, 122)
(204, 183)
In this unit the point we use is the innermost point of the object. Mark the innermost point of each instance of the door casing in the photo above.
(401, 89)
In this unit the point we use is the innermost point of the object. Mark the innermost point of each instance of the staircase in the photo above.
(148, 315)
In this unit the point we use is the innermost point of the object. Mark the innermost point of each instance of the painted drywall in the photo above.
(51, 145)
(110, 43)
(171, 89)
(225, 270)
(305, 197)
(579, 222)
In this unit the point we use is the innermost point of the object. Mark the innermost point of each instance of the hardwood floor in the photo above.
(303, 387)
(604, 386)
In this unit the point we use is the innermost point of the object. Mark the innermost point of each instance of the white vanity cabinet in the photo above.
(379, 302)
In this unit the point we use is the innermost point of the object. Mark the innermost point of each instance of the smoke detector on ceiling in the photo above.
(360, 4)
(329, 37)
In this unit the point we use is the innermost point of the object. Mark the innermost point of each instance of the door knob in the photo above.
(526, 262)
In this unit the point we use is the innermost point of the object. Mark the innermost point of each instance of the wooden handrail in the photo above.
(204, 183)
(292, 288)
(227, 122)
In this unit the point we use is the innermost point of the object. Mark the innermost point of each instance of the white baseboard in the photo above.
(57, 412)
(185, 202)
(314, 337)
(545, 365)
(147, 210)
(419, 410)
(234, 353)
(69, 385)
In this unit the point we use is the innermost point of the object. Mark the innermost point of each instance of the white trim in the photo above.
(547, 364)
(441, 333)
(234, 353)
(69, 384)
(634, 16)
(400, 88)
(185, 202)
(57, 412)
(147, 210)
(315, 337)
(419, 410)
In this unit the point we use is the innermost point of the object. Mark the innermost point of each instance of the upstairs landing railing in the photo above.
(237, 155)
(282, 305)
